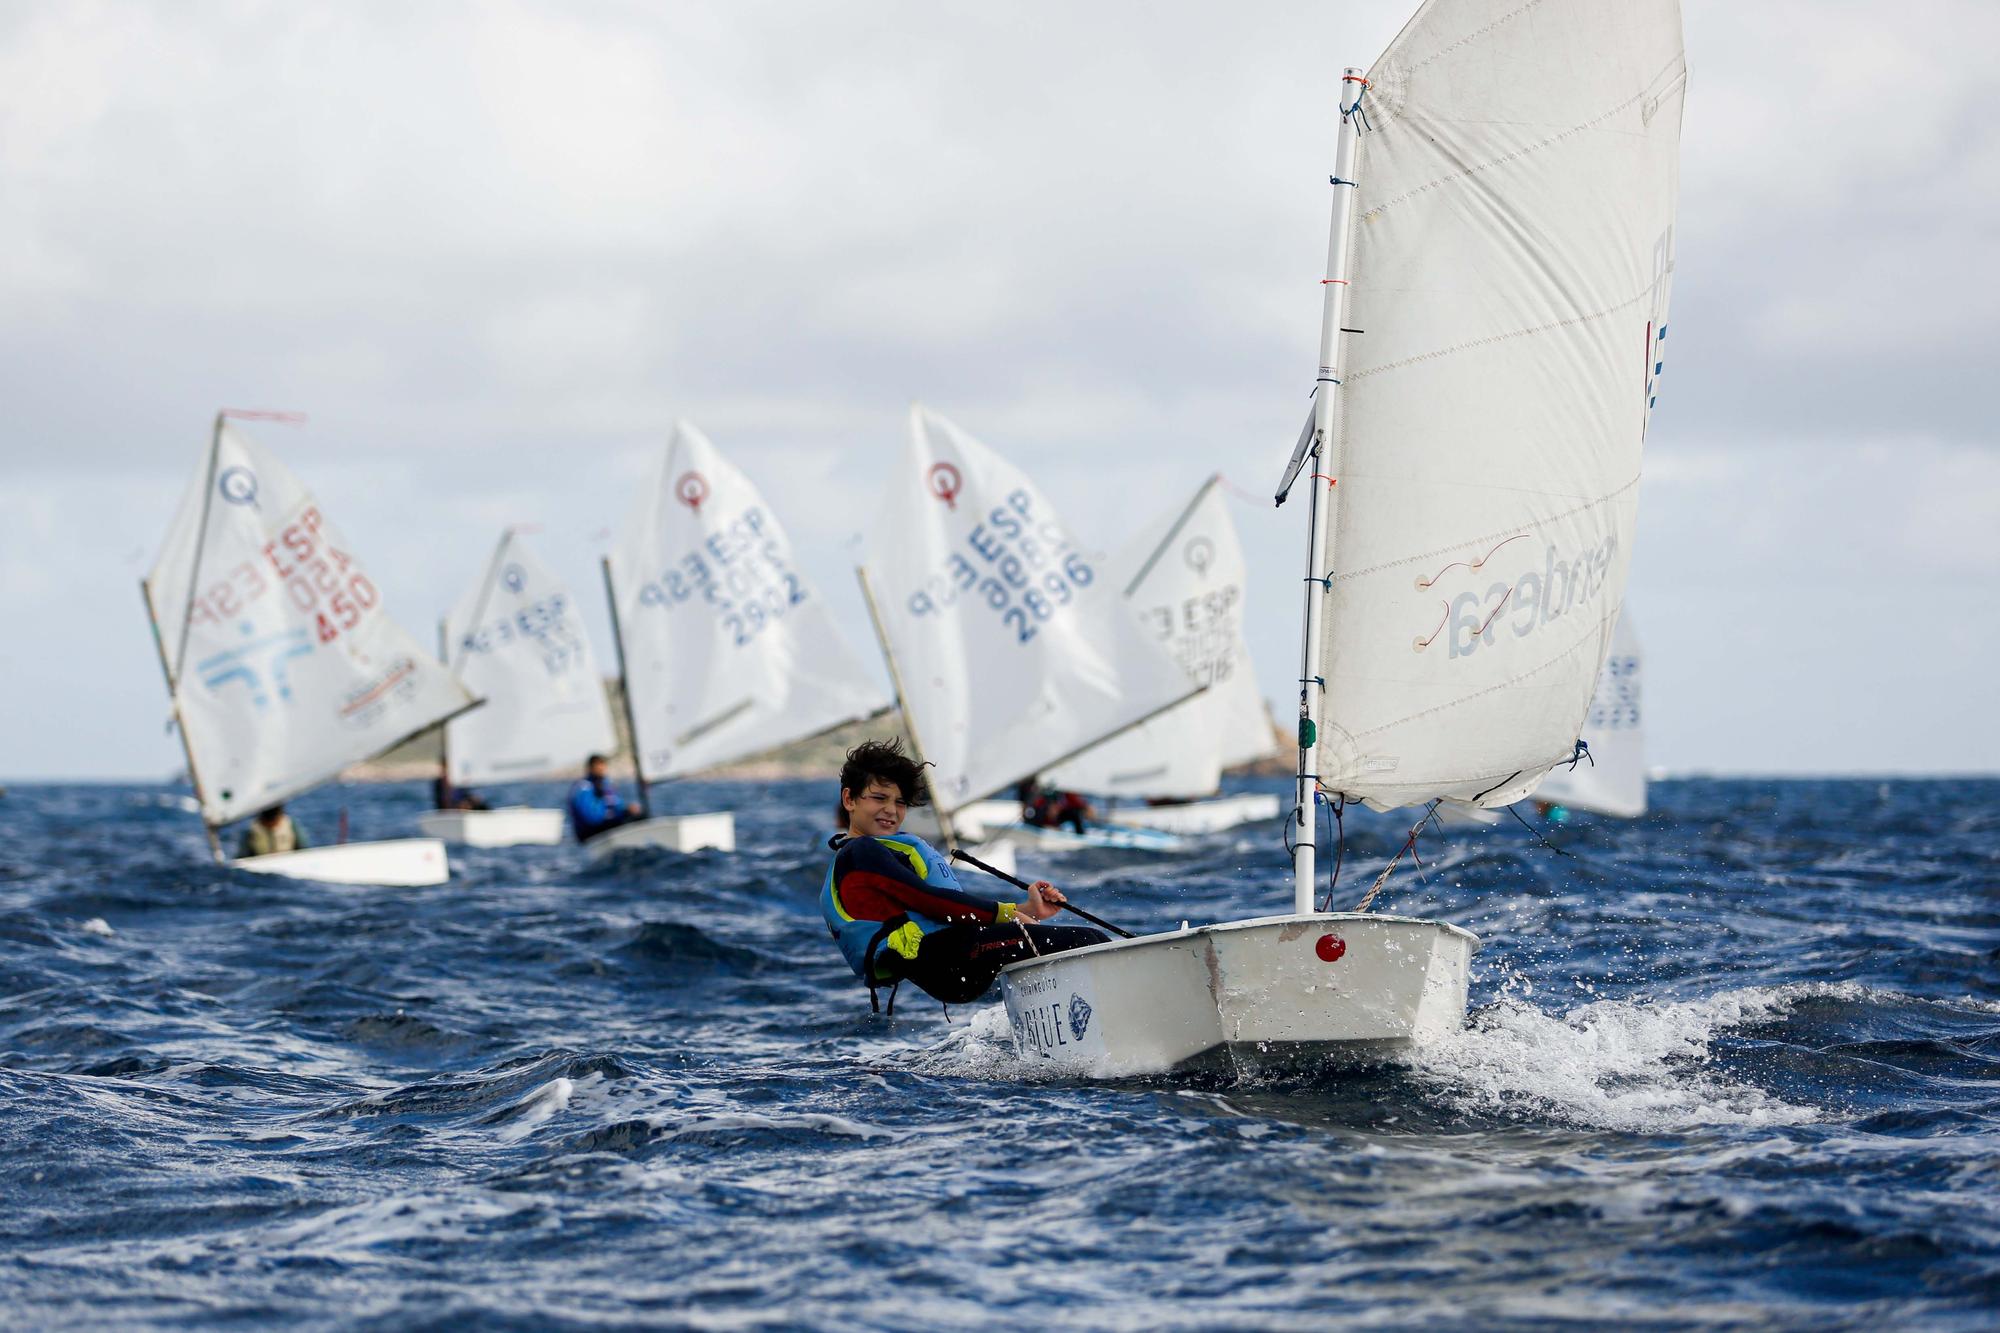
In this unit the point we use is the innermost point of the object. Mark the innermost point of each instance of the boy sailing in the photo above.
(896, 908)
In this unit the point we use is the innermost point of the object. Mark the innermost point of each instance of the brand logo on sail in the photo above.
(252, 662)
(367, 701)
(514, 577)
(1532, 599)
(691, 488)
(1199, 554)
(944, 481)
(238, 486)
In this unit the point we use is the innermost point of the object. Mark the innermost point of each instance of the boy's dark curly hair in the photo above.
(884, 761)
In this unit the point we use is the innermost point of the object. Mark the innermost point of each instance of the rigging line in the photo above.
(1335, 806)
(1239, 492)
(1538, 835)
(1409, 845)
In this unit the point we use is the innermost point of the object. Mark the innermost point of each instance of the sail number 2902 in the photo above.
(1019, 566)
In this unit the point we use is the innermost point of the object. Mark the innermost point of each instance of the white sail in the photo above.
(1612, 781)
(517, 640)
(1512, 247)
(284, 666)
(728, 648)
(1183, 579)
(1013, 651)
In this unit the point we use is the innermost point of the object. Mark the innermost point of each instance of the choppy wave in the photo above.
(1735, 1064)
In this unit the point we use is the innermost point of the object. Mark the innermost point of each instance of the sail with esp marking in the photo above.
(1183, 579)
(517, 640)
(729, 649)
(1012, 649)
(283, 664)
(1512, 250)
(1612, 781)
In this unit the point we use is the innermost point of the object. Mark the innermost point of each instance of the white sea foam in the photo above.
(97, 925)
(537, 1107)
(981, 1047)
(1615, 1064)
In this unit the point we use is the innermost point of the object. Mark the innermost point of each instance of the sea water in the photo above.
(1736, 1064)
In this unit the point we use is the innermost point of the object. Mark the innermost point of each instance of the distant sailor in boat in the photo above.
(271, 832)
(897, 910)
(448, 797)
(1044, 807)
(594, 803)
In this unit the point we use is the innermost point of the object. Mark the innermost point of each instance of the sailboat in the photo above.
(281, 663)
(1612, 779)
(725, 649)
(1010, 652)
(1501, 244)
(516, 638)
(1184, 580)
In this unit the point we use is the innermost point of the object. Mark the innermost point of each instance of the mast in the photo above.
(444, 732)
(180, 728)
(625, 690)
(1318, 580)
(903, 704)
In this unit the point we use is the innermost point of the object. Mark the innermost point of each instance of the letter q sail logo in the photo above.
(691, 488)
(944, 481)
(238, 486)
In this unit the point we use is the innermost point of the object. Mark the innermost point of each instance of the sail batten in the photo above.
(1511, 261)
(728, 650)
(289, 668)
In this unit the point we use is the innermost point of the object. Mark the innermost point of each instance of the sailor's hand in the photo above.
(1044, 901)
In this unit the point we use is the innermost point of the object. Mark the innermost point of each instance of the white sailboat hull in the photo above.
(509, 826)
(1094, 838)
(671, 833)
(397, 863)
(1275, 991)
(983, 817)
(1196, 817)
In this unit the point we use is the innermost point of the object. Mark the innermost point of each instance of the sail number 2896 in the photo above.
(1020, 567)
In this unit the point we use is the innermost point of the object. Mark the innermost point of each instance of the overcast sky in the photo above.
(493, 249)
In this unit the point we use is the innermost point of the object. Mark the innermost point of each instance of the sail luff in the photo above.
(201, 543)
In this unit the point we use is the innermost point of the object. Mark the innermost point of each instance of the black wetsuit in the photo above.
(959, 963)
